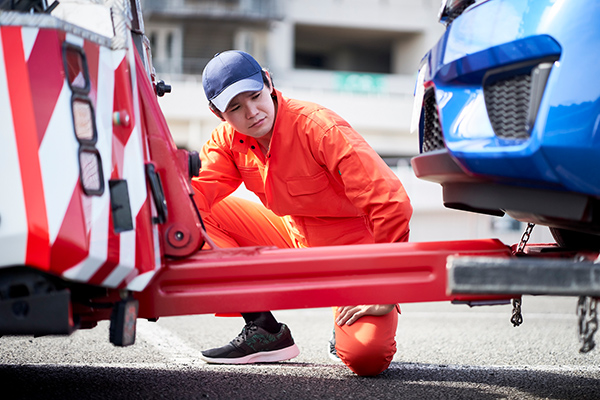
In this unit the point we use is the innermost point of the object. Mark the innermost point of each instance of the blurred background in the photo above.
(357, 57)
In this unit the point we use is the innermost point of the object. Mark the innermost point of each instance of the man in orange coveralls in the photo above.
(320, 184)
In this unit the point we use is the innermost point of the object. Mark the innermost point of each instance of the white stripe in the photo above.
(127, 239)
(98, 242)
(117, 56)
(101, 204)
(146, 156)
(13, 217)
(100, 213)
(29, 35)
(168, 344)
(126, 260)
(59, 162)
(140, 282)
(141, 188)
(134, 174)
(157, 255)
(104, 106)
(133, 169)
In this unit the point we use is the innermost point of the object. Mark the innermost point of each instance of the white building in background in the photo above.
(357, 57)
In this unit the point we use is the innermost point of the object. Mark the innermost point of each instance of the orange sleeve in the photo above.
(219, 176)
(368, 182)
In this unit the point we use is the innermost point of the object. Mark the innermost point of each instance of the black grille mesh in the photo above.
(433, 138)
(507, 103)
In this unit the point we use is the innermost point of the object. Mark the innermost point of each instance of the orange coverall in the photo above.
(320, 184)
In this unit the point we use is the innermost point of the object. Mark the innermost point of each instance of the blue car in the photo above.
(507, 105)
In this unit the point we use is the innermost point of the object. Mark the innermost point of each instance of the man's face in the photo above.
(252, 113)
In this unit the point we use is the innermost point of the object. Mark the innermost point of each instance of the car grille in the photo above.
(433, 139)
(507, 103)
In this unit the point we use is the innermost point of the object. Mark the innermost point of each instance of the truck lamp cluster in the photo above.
(84, 121)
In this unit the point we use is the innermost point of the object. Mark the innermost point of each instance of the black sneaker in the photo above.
(331, 351)
(254, 345)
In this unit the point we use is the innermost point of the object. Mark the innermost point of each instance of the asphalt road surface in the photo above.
(444, 352)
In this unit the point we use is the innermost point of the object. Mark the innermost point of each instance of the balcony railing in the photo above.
(397, 85)
(185, 66)
(258, 10)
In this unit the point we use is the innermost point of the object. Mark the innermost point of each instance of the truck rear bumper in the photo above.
(523, 275)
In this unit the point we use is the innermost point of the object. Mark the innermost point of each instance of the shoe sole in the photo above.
(260, 357)
(332, 357)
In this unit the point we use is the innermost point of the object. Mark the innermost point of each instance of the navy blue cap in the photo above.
(229, 74)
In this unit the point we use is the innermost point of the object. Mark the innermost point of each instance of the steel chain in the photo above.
(517, 316)
(525, 238)
(588, 322)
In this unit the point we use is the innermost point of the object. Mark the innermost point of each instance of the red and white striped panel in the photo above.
(46, 220)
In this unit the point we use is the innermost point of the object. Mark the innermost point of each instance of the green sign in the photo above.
(359, 82)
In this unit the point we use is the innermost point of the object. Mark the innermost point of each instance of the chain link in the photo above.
(525, 238)
(517, 317)
(588, 322)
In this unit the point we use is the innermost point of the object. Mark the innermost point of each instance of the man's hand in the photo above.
(350, 314)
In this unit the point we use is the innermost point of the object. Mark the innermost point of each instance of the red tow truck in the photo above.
(97, 219)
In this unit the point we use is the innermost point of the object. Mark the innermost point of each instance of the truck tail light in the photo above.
(76, 68)
(83, 120)
(90, 171)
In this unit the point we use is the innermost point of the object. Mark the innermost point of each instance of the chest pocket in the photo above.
(252, 179)
(307, 185)
(314, 196)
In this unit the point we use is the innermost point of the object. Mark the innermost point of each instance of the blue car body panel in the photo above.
(562, 151)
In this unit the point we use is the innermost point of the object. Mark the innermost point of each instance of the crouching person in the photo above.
(320, 184)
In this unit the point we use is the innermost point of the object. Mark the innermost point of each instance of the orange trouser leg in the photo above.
(235, 222)
(367, 346)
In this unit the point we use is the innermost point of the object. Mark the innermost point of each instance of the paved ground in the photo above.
(444, 351)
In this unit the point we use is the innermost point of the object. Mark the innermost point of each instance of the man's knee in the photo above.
(368, 360)
(368, 346)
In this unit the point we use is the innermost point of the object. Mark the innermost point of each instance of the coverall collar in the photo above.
(242, 143)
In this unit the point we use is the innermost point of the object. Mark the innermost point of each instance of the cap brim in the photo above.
(253, 83)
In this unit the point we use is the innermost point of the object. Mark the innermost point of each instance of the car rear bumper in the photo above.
(465, 191)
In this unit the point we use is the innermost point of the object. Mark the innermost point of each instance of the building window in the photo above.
(341, 49)
(166, 46)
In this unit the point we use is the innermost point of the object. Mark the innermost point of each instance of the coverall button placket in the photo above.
(258, 153)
